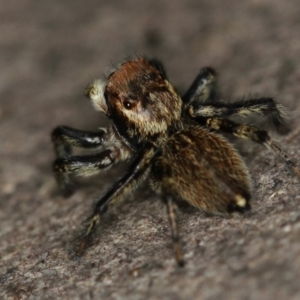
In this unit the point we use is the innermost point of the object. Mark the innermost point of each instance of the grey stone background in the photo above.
(49, 51)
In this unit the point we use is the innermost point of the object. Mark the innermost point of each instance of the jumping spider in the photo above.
(173, 140)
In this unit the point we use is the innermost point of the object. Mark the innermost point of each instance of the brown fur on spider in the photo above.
(173, 140)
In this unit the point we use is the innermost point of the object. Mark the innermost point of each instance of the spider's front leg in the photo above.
(65, 137)
(82, 165)
(254, 134)
(137, 172)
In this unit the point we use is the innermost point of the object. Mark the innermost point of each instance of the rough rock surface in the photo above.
(49, 51)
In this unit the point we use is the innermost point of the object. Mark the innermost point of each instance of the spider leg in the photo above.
(254, 134)
(261, 107)
(64, 137)
(167, 186)
(159, 66)
(82, 165)
(171, 209)
(203, 89)
(168, 199)
(137, 172)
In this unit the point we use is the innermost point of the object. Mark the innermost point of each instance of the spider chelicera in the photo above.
(171, 140)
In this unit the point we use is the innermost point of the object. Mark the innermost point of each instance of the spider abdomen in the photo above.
(205, 170)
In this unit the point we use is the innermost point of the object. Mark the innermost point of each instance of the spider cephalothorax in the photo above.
(141, 102)
(173, 140)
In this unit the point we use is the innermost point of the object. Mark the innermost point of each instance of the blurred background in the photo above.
(49, 52)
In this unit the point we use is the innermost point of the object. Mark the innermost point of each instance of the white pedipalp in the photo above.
(95, 91)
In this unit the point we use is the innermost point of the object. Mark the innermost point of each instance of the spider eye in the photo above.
(127, 105)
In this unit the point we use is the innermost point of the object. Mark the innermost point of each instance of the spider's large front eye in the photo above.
(127, 104)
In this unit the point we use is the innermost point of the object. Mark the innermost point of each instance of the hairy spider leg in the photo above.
(64, 137)
(203, 89)
(168, 198)
(157, 64)
(137, 172)
(254, 134)
(85, 165)
(260, 107)
(163, 174)
(171, 209)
